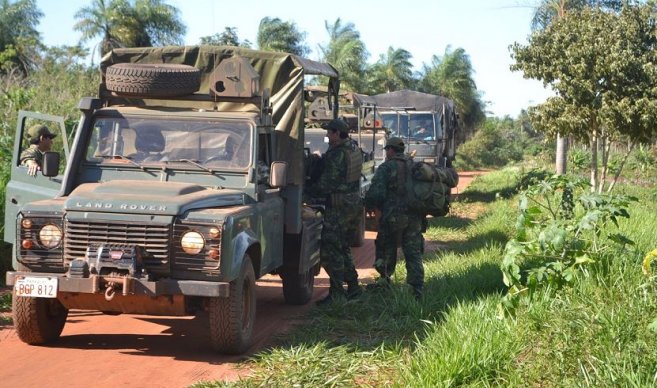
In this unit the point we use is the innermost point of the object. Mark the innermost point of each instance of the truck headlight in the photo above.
(192, 243)
(50, 236)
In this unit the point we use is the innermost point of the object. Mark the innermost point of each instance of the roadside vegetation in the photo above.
(598, 329)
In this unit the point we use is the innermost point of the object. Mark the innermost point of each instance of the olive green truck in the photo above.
(183, 185)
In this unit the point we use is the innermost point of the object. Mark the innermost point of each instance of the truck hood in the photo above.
(139, 197)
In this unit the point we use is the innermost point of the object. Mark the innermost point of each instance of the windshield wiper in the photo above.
(194, 163)
(122, 158)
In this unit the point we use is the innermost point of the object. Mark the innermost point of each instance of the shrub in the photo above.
(561, 230)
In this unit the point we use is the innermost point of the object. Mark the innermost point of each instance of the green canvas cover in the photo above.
(281, 73)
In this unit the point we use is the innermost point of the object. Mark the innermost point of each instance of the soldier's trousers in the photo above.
(408, 234)
(335, 247)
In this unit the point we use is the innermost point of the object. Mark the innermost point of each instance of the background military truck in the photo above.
(427, 123)
(183, 186)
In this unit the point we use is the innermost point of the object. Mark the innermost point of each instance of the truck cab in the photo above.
(183, 187)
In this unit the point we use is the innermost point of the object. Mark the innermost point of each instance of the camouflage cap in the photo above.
(337, 125)
(38, 130)
(396, 143)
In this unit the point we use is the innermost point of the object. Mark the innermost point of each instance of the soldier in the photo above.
(339, 184)
(387, 196)
(40, 139)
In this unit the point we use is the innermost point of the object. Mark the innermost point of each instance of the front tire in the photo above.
(38, 320)
(298, 288)
(232, 318)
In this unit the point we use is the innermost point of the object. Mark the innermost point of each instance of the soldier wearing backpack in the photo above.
(339, 185)
(398, 225)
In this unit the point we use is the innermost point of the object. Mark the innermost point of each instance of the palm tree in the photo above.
(157, 24)
(347, 53)
(19, 39)
(227, 38)
(119, 24)
(452, 76)
(277, 35)
(393, 71)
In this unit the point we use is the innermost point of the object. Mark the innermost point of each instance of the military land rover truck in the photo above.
(183, 186)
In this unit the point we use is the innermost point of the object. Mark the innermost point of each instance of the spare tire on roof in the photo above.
(158, 80)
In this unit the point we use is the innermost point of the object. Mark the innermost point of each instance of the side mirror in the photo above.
(50, 167)
(278, 174)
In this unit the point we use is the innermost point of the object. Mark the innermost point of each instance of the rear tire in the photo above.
(38, 320)
(157, 80)
(298, 288)
(232, 318)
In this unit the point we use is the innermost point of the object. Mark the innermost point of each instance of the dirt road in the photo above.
(133, 350)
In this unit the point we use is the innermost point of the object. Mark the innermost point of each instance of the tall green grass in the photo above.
(596, 333)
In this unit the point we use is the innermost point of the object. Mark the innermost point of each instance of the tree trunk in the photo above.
(562, 154)
(594, 161)
(606, 149)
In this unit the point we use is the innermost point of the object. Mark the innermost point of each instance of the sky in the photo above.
(483, 28)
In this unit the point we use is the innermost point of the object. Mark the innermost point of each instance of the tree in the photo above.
(393, 71)
(277, 35)
(347, 53)
(603, 68)
(547, 12)
(227, 38)
(452, 76)
(19, 40)
(120, 24)
(156, 24)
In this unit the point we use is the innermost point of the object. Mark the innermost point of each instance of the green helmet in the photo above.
(38, 130)
(337, 125)
(395, 143)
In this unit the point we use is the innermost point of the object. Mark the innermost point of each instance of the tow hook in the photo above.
(110, 291)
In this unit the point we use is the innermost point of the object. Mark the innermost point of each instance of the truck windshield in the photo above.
(213, 144)
(421, 126)
(411, 125)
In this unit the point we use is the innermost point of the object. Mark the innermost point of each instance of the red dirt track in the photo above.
(135, 350)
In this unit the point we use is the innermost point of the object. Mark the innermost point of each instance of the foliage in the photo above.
(602, 66)
(549, 11)
(496, 144)
(644, 159)
(5, 302)
(347, 53)
(19, 38)
(393, 71)
(277, 35)
(579, 160)
(122, 24)
(560, 232)
(451, 75)
(227, 38)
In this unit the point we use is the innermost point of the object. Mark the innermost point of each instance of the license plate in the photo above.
(36, 287)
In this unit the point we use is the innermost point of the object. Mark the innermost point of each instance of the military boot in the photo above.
(332, 296)
(382, 283)
(354, 290)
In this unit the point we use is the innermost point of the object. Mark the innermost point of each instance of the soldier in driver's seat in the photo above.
(149, 144)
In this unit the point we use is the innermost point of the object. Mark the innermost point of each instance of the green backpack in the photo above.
(429, 188)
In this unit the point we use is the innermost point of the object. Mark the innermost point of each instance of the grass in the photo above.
(5, 302)
(600, 332)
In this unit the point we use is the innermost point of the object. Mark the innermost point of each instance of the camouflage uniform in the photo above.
(397, 226)
(32, 153)
(344, 209)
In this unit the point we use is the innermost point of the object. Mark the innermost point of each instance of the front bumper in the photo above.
(96, 284)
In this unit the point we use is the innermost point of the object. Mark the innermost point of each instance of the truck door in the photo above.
(23, 188)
